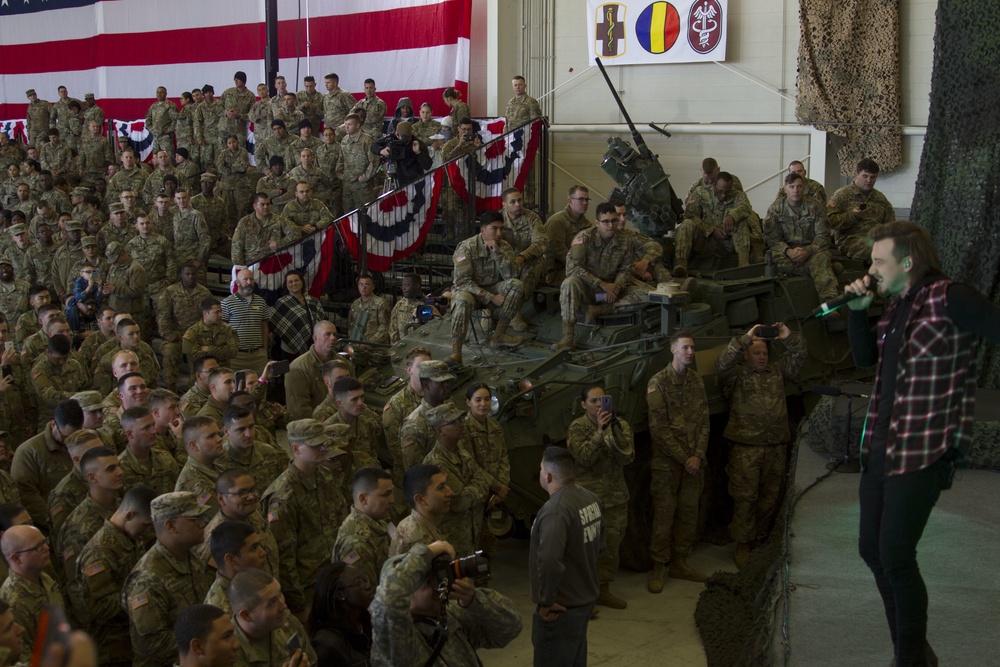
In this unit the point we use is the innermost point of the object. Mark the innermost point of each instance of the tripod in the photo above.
(844, 463)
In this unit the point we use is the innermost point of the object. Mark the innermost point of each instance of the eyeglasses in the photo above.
(586, 199)
(242, 493)
(41, 546)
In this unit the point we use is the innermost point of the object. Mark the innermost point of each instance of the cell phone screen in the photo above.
(606, 403)
(241, 380)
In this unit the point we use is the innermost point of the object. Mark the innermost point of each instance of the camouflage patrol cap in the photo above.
(404, 129)
(81, 192)
(113, 250)
(178, 504)
(338, 440)
(6, 260)
(436, 371)
(90, 401)
(208, 176)
(74, 226)
(29, 92)
(308, 432)
(19, 228)
(444, 414)
(89, 240)
(116, 207)
(88, 96)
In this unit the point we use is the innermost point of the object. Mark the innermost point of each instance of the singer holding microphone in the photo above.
(919, 422)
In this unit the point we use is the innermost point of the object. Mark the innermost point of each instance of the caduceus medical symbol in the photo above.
(610, 17)
(705, 23)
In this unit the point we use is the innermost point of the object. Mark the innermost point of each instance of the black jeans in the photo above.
(894, 511)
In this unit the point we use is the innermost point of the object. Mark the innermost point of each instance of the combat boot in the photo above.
(655, 584)
(501, 337)
(741, 554)
(456, 352)
(566, 342)
(680, 271)
(591, 313)
(679, 569)
(518, 323)
(609, 599)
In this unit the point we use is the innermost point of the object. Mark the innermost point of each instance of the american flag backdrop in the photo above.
(121, 50)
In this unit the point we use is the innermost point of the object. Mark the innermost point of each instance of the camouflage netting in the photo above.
(956, 195)
(849, 73)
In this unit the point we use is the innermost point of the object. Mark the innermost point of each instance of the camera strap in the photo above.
(438, 639)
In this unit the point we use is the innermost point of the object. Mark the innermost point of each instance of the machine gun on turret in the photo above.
(642, 183)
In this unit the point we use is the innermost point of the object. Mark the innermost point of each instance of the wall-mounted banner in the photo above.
(643, 32)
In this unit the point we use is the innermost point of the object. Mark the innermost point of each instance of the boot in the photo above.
(741, 554)
(501, 337)
(680, 271)
(566, 342)
(518, 323)
(609, 599)
(456, 352)
(591, 313)
(655, 584)
(679, 569)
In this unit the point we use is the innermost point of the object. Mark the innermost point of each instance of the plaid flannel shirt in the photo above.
(293, 322)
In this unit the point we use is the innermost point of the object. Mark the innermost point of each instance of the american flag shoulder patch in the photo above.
(94, 568)
(352, 558)
(138, 601)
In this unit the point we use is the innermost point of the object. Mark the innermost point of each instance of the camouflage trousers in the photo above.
(164, 142)
(855, 246)
(575, 294)
(818, 267)
(171, 353)
(355, 195)
(756, 479)
(675, 510)
(615, 521)
(530, 275)
(236, 193)
(207, 153)
(463, 303)
(455, 213)
(690, 239)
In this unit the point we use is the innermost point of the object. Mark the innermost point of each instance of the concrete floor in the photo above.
(651, 628)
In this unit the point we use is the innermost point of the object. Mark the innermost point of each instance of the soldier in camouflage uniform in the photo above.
(291, 116)
(319, 180)
(678, 423)
(242, 449)
(304, 508)
(327, 154)
(561, 228)
(184, 127)
(403, 318)
(355, 165)
(368, 320)
(856, 208)
(305, 212)
(710, 171)
(202, 437)
(28, 587)
(72, 488)
(192, 241)
(105, 479)
(261, 115)
(488, 446)
(465, 478)
(758, 429)
(179, 307)
(232, 163)
(363, 437)
(280, 143)
(56, 376)
(363, 538)
(264, 636)
(236, 101)
(143, 462)
(19, 253)
(155, 253)
(91, 112)
(164, 162)
(484, 278)
(429, 499)
(130, 177)
(167, 579)
(206, 126)
(38, 117)
(601, 444)
(718, 222)
(95, 152)
(423, 129)
(796, 233)
(277, 185)
(337, 103)
(213, 210)
(647, 254)
(13, 292)
(236, 547)
(68, 254)
(524, 231)
(260, 233)
(125, 283)
(599, 261)
(210, 335)
(521, 108)
(416, 437)
(103, 564)
(375, 109)
(60, 109)
(56, 156)
(814, 189)
(160, 122)
(401, 634)
(11, 153)
(311, 101)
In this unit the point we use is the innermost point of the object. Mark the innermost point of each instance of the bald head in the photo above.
(16, 541)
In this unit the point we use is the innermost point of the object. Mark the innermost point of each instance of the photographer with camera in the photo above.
(427, 607)
(406, 158)
(758, 427)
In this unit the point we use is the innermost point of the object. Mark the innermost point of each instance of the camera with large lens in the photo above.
(473, 567)
(397, 150)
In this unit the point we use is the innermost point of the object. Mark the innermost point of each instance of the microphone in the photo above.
(833, 304)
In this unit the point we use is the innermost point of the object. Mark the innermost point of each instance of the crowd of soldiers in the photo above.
(155, 495)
